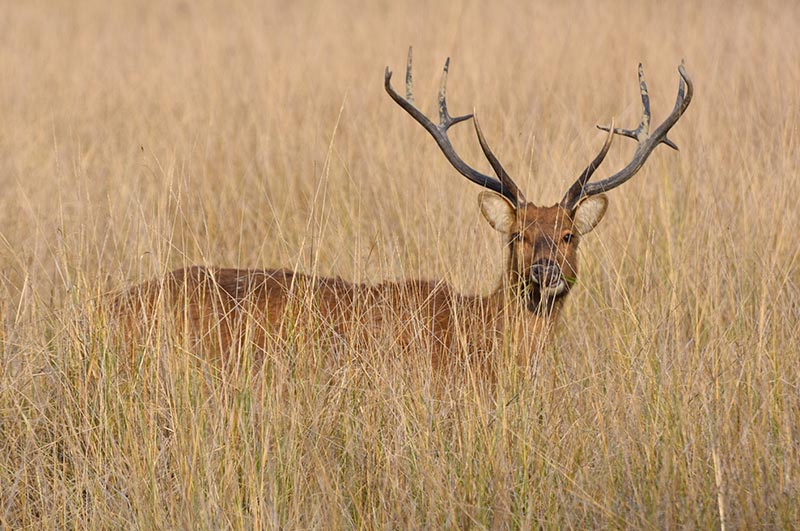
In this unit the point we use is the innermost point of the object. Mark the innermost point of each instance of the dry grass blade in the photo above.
(142, 137)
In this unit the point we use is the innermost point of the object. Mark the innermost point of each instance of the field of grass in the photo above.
(138, 137)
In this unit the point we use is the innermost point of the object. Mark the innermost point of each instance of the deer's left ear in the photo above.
(589, 212)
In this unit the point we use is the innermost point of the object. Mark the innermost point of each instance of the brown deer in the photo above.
(230, 308)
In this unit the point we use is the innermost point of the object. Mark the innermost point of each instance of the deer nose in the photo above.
(546, 273)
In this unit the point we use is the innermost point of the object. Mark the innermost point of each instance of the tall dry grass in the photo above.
(142, 137)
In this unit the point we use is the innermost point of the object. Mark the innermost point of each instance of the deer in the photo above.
(540, 244)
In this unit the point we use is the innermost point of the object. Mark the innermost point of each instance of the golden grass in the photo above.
(139, 138)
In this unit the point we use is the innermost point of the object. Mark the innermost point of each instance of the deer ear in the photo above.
(589, 212)
(497, 210)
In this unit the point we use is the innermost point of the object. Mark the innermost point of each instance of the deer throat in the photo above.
(544, 300)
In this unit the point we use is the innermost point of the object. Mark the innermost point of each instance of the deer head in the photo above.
(543, 241)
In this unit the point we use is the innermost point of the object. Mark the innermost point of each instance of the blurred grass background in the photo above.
(142, 136)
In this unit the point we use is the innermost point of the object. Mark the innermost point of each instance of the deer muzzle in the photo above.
(546, 274)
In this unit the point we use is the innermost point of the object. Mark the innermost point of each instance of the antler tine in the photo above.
(647, 142)
(445, 120)
(574, 193)
(685, 91)
(505, 179)
(630, 134)
(439, 132)
(409, 80)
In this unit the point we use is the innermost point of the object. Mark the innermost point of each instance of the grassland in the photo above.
(140, 137)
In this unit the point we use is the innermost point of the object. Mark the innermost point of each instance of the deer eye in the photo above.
(567, 237)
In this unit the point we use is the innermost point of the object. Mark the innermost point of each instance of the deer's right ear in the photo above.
(497, 210)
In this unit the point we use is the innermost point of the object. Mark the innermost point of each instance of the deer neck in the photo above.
(527, 330)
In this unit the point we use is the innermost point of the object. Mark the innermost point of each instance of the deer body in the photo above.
(233, 308)
(226, 310)
(217, 307)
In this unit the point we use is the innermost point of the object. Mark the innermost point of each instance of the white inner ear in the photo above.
(589, 212)
(497, 210)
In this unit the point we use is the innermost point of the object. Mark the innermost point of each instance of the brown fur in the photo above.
(230, 310)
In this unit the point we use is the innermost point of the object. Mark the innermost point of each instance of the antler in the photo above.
(646, 143)
(505, 185)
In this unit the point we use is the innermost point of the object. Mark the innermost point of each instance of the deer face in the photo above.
(543, 243)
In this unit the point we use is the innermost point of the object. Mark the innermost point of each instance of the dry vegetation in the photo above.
(142, 137)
